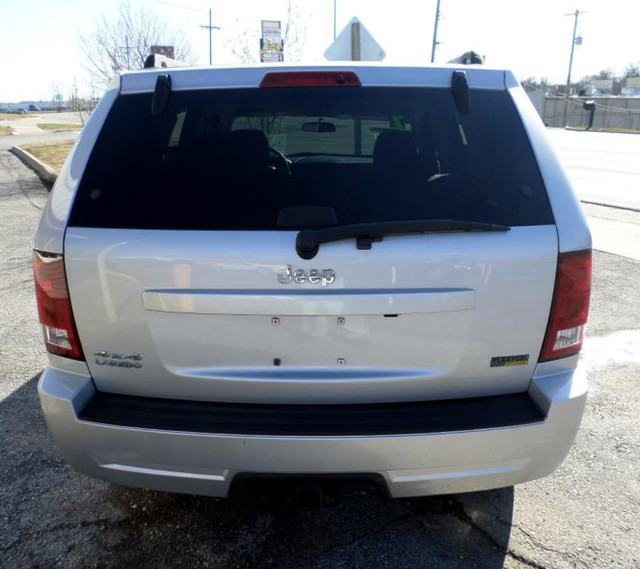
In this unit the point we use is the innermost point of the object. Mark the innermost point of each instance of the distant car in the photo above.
(21, 111)
(355, 271)
(33, 108)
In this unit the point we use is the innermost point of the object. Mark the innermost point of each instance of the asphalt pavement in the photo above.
(584, 515)
(604, 167)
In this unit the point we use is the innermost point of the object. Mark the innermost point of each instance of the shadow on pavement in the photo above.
(54, 517)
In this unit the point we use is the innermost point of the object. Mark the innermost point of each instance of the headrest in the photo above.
(249, 150)
(395, 149)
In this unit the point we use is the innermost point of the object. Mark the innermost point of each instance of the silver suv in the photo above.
(306, 271)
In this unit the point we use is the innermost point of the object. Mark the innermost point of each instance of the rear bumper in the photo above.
(452, 452)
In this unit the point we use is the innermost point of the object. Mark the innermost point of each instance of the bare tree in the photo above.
(537, 82)
(81, 107)
(124, 42)
(246, 46)
(632, 70)
(603, 74)
(295, 30)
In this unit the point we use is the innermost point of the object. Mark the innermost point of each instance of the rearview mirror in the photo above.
(318, 126)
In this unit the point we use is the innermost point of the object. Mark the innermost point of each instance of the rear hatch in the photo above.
(287, 244)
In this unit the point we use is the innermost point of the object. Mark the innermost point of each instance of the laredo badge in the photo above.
(507, 361)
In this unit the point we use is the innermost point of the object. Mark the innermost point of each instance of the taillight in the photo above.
(310, 79)
(570, 306)
(54, 307)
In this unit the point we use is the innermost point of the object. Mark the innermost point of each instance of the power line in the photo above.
(183, 8)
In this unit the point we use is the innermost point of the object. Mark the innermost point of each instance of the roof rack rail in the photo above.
(469, 58)
(157, 61)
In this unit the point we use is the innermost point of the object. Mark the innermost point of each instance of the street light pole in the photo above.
(435, 33)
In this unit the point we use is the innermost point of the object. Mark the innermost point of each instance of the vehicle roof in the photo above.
(248, 76)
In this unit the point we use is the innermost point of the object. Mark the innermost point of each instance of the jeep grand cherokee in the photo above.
(313, 271)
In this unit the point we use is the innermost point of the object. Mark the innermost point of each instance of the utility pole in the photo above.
(210, 27)
(573, 45)
(126, 49)
(74, 93)
(573, 42)
(435, 33)
(334, 19)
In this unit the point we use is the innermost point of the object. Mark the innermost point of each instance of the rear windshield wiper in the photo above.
(308, 241)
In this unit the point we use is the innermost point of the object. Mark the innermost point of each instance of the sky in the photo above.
(39, 39)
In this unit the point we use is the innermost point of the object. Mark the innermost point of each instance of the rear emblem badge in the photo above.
(323, 277)
(115, 359)
(509, 361)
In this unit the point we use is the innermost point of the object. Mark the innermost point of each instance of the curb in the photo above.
(44, 171)
(613, 206)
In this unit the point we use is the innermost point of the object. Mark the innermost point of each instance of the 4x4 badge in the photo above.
(323, 277)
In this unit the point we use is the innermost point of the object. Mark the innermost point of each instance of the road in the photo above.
(27, 131)
(604, 167)
(584, 516)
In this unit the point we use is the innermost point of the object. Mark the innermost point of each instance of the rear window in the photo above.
(290, 158)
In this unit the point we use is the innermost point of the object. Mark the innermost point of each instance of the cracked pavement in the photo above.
(585, 515)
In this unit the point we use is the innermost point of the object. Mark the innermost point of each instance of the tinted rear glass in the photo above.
(289, 158)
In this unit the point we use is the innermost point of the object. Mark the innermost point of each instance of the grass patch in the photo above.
(59, 126)
(604, 129)
(5, 130)
(52, 154)
(613, 129)
(12, 116)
